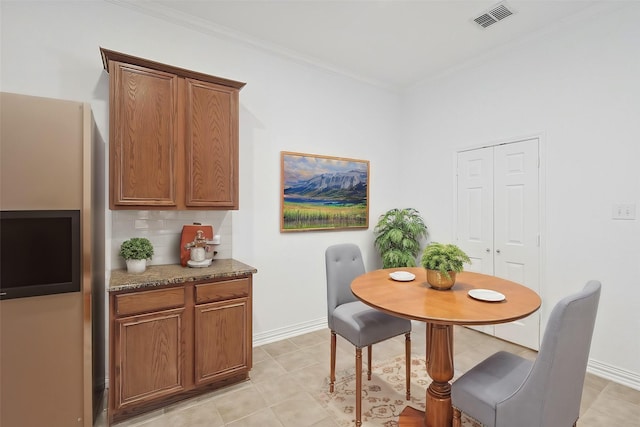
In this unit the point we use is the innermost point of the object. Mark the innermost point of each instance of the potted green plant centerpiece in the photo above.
(136, 251)
(442, 262)
(398, 233)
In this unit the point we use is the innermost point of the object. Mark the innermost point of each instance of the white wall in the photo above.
(578, 87)
(51, 49)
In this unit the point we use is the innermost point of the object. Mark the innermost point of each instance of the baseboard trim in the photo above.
(289, 331)
(620, 376)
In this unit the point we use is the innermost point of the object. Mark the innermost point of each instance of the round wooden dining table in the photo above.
(441, 310)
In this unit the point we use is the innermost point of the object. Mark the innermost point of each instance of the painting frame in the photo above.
(323, 193)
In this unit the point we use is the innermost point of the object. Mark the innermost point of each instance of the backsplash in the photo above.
(163, 229)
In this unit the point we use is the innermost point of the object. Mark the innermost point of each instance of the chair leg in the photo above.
(407, 362)
(358, 387)
(332, 377)
(456, 418)
(369, 350)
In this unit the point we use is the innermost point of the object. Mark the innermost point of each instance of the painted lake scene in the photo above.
(323, 193)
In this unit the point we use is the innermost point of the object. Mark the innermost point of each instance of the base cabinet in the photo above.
(221, 346)
(149, 352)
(174, 343)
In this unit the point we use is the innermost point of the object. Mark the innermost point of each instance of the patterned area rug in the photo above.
(383, 398)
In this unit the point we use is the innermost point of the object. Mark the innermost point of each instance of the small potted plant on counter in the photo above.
(398, 235)
(442, 262)
(136, 251)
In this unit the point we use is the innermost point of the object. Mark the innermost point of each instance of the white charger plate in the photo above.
(402, 276)
(486, 295)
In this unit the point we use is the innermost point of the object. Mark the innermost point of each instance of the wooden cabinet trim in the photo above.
(145, 301)
(110, 55)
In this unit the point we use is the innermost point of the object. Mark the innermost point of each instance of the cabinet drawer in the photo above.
(218, 291)
(140, 302)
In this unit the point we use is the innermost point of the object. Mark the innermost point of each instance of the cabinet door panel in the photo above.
(149, 352)
(211, 145)
(144, 106)
(220, 340)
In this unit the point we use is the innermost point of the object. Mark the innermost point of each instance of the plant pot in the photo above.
(136, 265)
(439, 281)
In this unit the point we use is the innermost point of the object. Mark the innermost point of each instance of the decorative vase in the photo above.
(439, 281)
(136, 265)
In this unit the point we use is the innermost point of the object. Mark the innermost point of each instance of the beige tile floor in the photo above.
(287, 374)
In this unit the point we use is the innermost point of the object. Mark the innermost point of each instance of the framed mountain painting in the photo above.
(323, 192)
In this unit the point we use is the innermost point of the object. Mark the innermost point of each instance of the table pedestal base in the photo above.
(440, 369)
(411, 417)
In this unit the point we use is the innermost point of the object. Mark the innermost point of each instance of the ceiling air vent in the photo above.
(493, 15)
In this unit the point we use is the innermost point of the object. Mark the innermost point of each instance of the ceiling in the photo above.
(389, 43)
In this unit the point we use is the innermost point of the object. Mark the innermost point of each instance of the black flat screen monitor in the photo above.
(39, 252)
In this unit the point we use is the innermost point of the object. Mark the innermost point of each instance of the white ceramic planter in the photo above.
(136, 265)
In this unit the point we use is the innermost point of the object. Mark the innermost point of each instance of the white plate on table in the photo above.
(486, 295)
(402, 276)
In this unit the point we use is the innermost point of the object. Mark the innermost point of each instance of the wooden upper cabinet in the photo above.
(173, 136)
(211, 125)
(143, 146)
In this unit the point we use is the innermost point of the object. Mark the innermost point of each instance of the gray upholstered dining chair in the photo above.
(355, 321)
(506, 390)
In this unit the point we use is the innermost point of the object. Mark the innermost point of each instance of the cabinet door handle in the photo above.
(488, 250)
(497, 251)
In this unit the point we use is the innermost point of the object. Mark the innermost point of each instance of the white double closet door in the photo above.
(498, 225)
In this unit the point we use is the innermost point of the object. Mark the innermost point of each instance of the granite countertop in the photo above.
(159, 275)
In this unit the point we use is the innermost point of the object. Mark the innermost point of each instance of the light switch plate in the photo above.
(624, 211)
